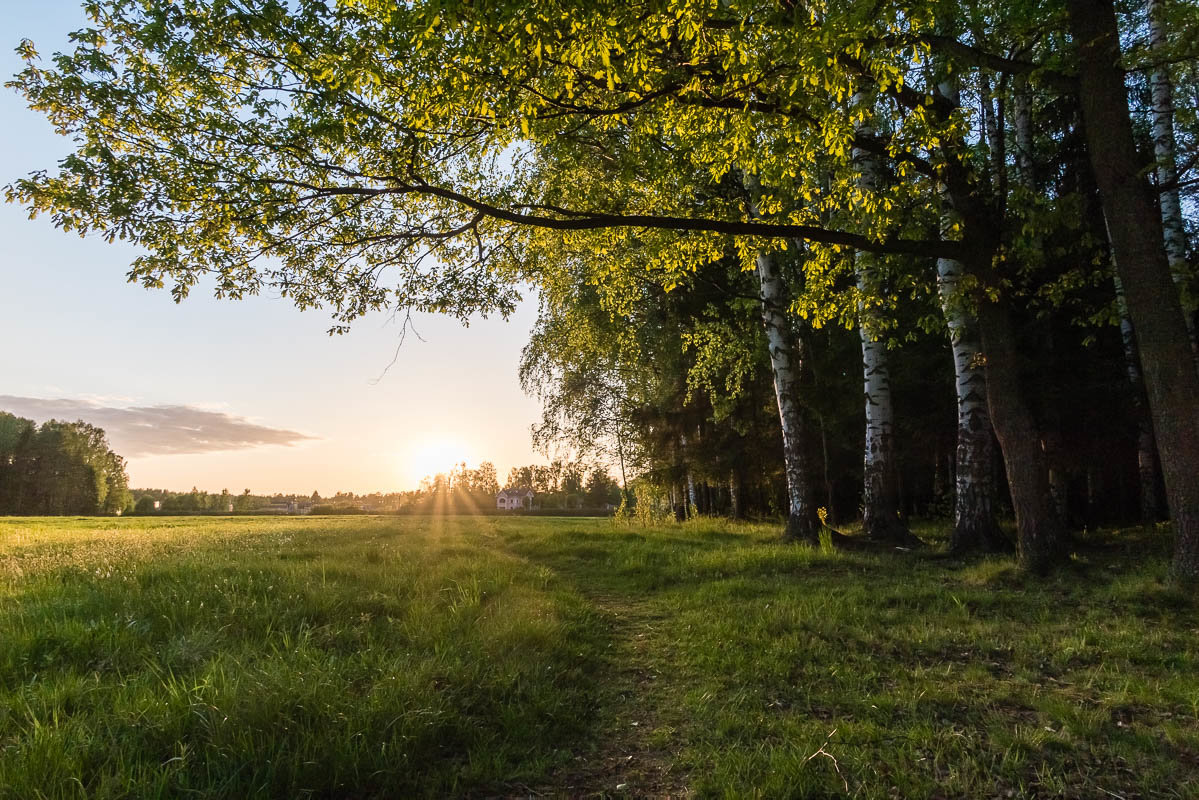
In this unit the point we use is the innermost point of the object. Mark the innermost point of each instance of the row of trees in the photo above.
(199, 501)
(567, 484)
(564, 485)
(703, 193)
(59, 468)
(559, 485)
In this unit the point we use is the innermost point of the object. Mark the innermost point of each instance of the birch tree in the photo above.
(880, 500)
(1165, 150)
(364, 155)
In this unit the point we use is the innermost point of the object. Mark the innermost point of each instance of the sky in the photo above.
(232, 394)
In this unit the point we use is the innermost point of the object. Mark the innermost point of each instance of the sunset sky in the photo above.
(218, 394)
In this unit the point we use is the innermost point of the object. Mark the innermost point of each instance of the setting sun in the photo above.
(436, 454)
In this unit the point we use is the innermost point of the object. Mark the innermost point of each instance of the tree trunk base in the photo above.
(1184, 570)
(892, 532)
(979, 536)
(801, 529)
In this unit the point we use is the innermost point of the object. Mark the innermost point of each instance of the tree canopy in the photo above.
(899, 168)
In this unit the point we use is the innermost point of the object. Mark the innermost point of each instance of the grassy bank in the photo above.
(389, 657)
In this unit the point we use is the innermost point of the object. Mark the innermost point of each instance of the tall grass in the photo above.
(384, 657)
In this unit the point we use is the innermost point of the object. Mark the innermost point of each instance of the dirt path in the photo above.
(634, 749)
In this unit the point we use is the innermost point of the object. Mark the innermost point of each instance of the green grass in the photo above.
(384, 657)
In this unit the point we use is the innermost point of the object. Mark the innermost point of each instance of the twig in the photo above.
(396, 355)
(830, 757)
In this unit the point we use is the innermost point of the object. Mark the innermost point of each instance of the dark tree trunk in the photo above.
(1135, 230)
(735, 509)
(1039, 530)
(1146, 447)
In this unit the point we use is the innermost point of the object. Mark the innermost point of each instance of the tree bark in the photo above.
(880, 490)
(735, 509)
(692, 500)
(880, 496)
(1135, 230)
(1039, 530)
(974, 524)
(1146, 447)
(785, 366)
(1165, 149)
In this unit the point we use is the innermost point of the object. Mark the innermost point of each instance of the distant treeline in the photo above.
(59, 468)
(559, 487)
(197, 501)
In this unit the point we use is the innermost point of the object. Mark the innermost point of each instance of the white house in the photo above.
(510, 499)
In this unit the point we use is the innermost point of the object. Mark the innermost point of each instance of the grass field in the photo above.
(383, 657)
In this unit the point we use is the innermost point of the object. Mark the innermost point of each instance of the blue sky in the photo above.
(262, 398)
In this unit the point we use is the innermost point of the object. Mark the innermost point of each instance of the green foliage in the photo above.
(359, 155)
(59, 468)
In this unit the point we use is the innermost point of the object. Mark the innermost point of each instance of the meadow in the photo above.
(505, 657)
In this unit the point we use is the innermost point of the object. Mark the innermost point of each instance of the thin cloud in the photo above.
(157, 430)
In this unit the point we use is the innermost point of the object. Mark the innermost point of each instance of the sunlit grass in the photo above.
(278, 656)
(385, 657)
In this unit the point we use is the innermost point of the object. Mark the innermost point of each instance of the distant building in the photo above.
(512, 499)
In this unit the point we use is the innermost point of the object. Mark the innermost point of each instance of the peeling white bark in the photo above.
(1022, 120)
(692, 503)
(1165, 151)
(880, 517)
(974, 483)
(974, 522)
(784, 367)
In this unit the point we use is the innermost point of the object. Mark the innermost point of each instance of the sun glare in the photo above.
(431, 456)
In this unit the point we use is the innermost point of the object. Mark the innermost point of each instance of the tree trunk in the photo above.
(1165, 149)
(692, 500)
(1135, 229)
(1039, 530)
(880, 492)
(880, 497)
(974, 525)
(735, 509)
(1146, 447)
(1022, 123)
(624, 483)
(784, 368)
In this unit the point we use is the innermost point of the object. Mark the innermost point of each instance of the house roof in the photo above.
(514, 492)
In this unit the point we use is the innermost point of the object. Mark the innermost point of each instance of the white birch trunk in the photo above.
(784, 368)
(692, 503)
(974, 524)
(880, 506)
(879, 497)
(735, 510)
(1165, 150)
(1022, 113)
